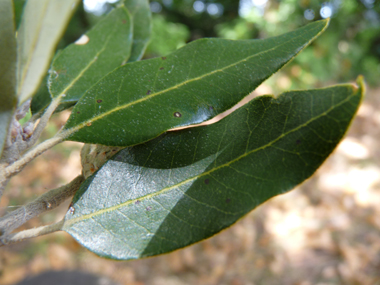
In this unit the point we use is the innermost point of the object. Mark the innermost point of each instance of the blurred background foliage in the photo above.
(349, 47)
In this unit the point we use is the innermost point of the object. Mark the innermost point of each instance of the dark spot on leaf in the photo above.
(298, 141)
(211, 107)
(88, 124)
(137, 202)
(78, 112)
(99, 101)
(72, 210)
(177, 114)
(148, 208)
(164, 57)
(228, 200)
(161, 68)
(124, 21)
(148, 92)
(207, 181)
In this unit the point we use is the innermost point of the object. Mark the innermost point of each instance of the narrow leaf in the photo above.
(8, 97)
(142, 26)
(41, 27)
(79, 66)
(188, 185)
(141, 100)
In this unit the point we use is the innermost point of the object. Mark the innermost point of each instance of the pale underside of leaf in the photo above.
(190, 86)
(8, 98)
(41, 27)
(188, 185)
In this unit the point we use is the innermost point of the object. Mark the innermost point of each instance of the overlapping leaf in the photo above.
(185, 186)
(41, 27)
(42, 98)
(142, 26)
(141, 100)
(7, 68)
(101, 50)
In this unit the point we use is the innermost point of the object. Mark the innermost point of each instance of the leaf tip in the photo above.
(327, 23)
(361, 83)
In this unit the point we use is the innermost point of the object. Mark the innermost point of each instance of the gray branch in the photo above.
(36, 232)
(18, 141)
(42, 204)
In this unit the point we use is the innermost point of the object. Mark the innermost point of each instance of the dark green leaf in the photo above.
(141, 100)
(101, 50)
(41, 98)
(42, 25)
(142, 18)
(7, 68)
(188, 185)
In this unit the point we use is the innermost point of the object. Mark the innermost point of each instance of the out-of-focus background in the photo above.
(326, 231)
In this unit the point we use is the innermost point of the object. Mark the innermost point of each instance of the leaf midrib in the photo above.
(166, 189)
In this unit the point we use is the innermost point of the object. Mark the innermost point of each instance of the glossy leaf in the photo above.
(41, 27)
(188, 185)
(141, 100)
(142, 26)
(80, 65)
(8, 97)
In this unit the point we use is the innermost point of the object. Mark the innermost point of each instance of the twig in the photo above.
(12, 153)
(43, 121)
(44, 203)
(3, 182)
(18, 165)
(6, 172)
(40, 231)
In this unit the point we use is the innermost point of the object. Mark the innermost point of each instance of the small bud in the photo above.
(27, 130)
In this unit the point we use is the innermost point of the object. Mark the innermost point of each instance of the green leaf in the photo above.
(41, 98)
(142, 26)
(188, 185)
(141, 100)
(80, 65)
(41, 27)
(8, 97)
